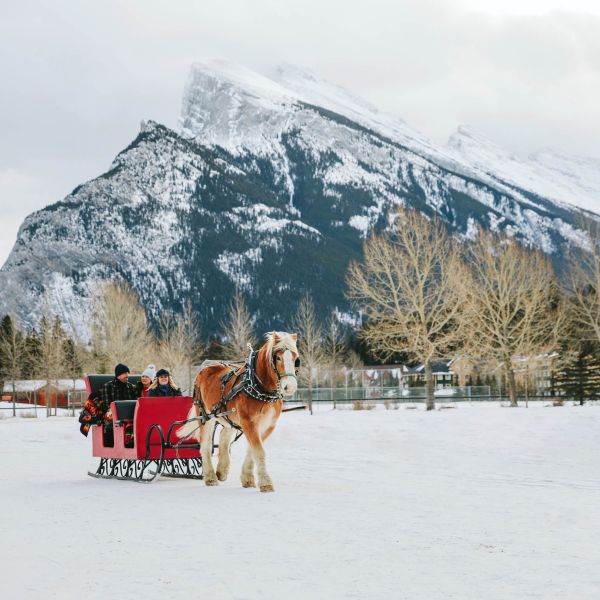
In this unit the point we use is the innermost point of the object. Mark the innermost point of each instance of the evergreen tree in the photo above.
(12, 351)
(214, 350)
(578, 372)
(33, 356)
(72, 361)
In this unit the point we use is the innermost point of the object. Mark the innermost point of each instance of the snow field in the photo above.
(476, 502)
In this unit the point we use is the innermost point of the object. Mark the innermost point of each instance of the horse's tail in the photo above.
(191, 428)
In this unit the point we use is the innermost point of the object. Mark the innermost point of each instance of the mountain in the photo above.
(569, 180)
(271, 184)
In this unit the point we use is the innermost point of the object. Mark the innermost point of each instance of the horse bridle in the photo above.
(279, 375)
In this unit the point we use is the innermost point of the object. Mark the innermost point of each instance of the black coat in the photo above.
(157, 391)
(116, 390)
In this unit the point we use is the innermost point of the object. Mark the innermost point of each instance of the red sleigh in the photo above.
(142, 445)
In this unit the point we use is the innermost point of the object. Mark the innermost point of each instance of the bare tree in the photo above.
(310, 339)
(512, 303)
(335, 352)
(178, 345)
(52, 343)
(120, 332)
(13, 349)
(237, 329)
(408, 287)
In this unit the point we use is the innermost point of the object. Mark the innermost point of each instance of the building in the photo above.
(442, 375)
(33, 391)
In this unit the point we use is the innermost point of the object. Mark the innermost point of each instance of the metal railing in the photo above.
(408, 394)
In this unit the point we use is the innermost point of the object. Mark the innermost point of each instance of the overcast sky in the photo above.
(78, 77)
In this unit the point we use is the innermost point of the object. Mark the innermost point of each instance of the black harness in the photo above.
(250, 384)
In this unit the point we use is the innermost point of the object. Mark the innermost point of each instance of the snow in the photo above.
(476, 502)
(254, 110)
(573, 180)
(151, 204)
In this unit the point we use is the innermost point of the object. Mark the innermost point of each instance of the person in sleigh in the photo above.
(96, 409)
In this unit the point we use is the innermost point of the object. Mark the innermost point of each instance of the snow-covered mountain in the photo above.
(271, 185)
(570, 180)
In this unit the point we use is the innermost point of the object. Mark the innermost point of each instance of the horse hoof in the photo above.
(212, 481)
(267, 487)
(249, 483)
(222, 476)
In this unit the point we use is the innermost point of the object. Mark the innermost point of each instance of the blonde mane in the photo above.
(285, 341)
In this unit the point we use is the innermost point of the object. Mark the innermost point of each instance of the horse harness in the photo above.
(250, 384)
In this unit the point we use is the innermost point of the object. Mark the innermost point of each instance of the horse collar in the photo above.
(252, 384)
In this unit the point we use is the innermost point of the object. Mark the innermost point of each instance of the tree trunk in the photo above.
(430, 401)
(333, 387)
(48, 401)
(310, 394)
(14, 396)
(512, 385)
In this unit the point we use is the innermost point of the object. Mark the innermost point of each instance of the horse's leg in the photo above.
(224, 459)
(268, 432)
(208, 471)
(258, 453)
(248, 469)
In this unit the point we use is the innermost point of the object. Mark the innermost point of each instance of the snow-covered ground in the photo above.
(471, 503)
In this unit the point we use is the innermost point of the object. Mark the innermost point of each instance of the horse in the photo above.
(251, 395)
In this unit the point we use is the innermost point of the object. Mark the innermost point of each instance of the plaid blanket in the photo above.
(91, 413)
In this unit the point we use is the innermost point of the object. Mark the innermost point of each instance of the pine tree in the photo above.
(578, 372)
(33, 357)
(12, 352)
(73, 367)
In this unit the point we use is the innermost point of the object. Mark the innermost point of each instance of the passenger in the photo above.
(164, 385)
(118, 388)
(145, 381)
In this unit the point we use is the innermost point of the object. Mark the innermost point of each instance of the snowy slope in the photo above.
(229, 106)
(477, 502)
(568, 179)
(271, 185)
(260, 107)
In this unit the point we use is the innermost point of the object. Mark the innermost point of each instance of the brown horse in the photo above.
(262, 382)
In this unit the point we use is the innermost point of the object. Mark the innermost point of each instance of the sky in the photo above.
(79, 77)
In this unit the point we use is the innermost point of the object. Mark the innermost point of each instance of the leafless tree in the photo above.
(310, 340)
(52, 343)
(13, 350)
(335, 351)
(238, 329)
(512, 303)
(178, 345)
(120, 332)
(408, 287)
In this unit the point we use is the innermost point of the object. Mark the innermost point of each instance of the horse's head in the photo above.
(285, 360)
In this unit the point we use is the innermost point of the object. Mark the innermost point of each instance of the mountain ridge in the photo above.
(271, 195)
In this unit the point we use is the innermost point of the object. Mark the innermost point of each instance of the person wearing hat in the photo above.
(118, 388)
(164, 385)
(145, 381)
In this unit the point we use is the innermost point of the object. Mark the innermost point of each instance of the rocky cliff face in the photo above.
(271, 185)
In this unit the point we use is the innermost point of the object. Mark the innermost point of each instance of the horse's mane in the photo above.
(285, 341)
